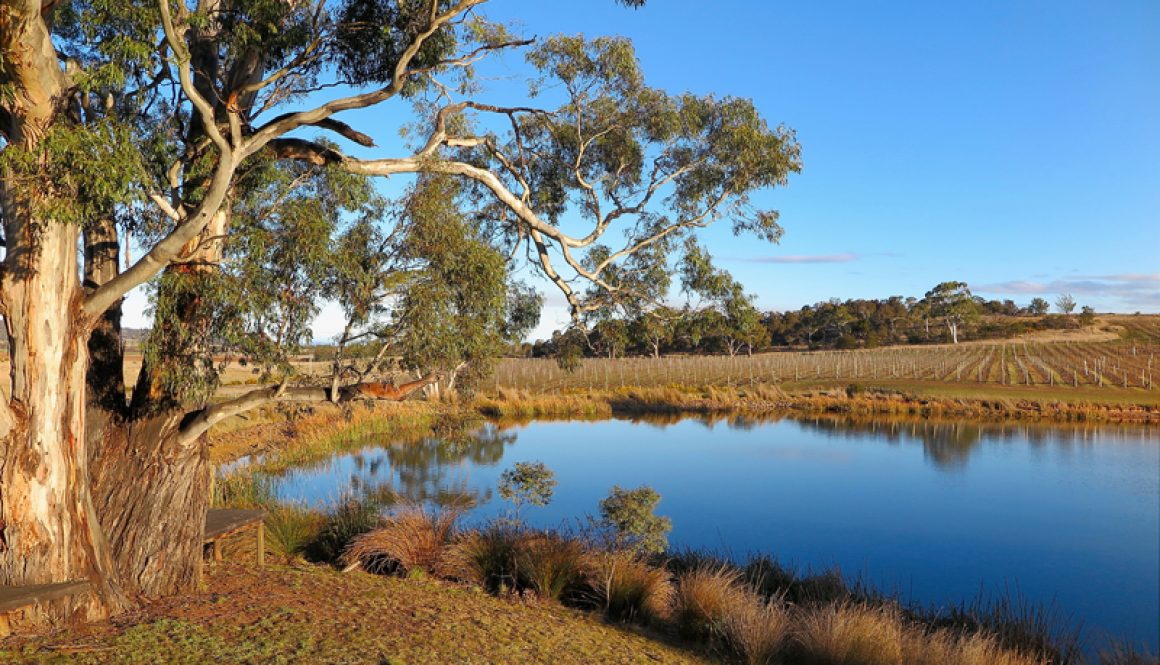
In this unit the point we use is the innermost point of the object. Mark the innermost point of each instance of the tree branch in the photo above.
(290, 122)
(170, 247)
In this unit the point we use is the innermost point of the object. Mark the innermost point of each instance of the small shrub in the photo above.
(704, 597)
(341, 524)
(756, 629)
(412, 539)
(629, 514)
(626, 588)
(550, 563)
(848, 634)
(531, 483)
(290, 529)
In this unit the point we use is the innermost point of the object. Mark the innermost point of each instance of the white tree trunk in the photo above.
(49, 530)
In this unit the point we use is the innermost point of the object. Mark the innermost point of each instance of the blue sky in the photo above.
(1011, 145)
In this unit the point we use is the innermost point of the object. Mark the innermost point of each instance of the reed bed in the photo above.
(853, 400)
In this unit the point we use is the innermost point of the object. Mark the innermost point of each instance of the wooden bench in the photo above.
(220, 522)
(13, 598)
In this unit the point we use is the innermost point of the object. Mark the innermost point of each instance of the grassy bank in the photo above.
(313, 614)
(853, 399)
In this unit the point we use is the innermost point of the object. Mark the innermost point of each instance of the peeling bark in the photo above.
(51, 529)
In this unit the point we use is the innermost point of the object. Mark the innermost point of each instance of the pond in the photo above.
(936, 512)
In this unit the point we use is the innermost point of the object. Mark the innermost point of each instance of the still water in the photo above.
(938, 513)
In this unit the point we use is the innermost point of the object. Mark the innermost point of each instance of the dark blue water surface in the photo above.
(938, 513)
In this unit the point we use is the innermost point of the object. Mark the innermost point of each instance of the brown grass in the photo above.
(945, 647)
(412, 539)
(550, 564)
(757, 629)
(848, 634)
(626, 588)
(317, 431)
(705, 596)
(486, 558)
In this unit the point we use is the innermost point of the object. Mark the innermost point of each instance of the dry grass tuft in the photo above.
(411, 539)
(1121, 654)
(848, 634)
(486, 558)
(290, 529)
(946, 647)
(628, 589)
(757, 629)
(550, 563)
(705, 595)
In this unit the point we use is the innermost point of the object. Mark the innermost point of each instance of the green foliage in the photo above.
(110, 41)
(454, 303)
(81, 173)
(196, 313)
(1087, 315)
(953, 303)
(1039, 306)
(531, 483)
(629, 514)
(371, 36)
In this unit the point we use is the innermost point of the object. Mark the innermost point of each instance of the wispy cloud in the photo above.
(1135, 290)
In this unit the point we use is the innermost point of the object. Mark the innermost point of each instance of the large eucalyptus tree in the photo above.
(204, 129)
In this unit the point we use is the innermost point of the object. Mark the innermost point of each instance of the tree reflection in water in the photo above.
(948, 444)
(426, 471)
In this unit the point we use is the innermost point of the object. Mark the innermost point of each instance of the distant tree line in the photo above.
(948, 313)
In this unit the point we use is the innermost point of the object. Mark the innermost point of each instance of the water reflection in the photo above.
(430, 470)
(948, 445)
(437, 470)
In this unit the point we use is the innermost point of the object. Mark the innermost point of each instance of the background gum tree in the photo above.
(953, 303)
(1065, 303)
(192, 126)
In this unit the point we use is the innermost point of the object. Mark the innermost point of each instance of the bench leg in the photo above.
(215, 550)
